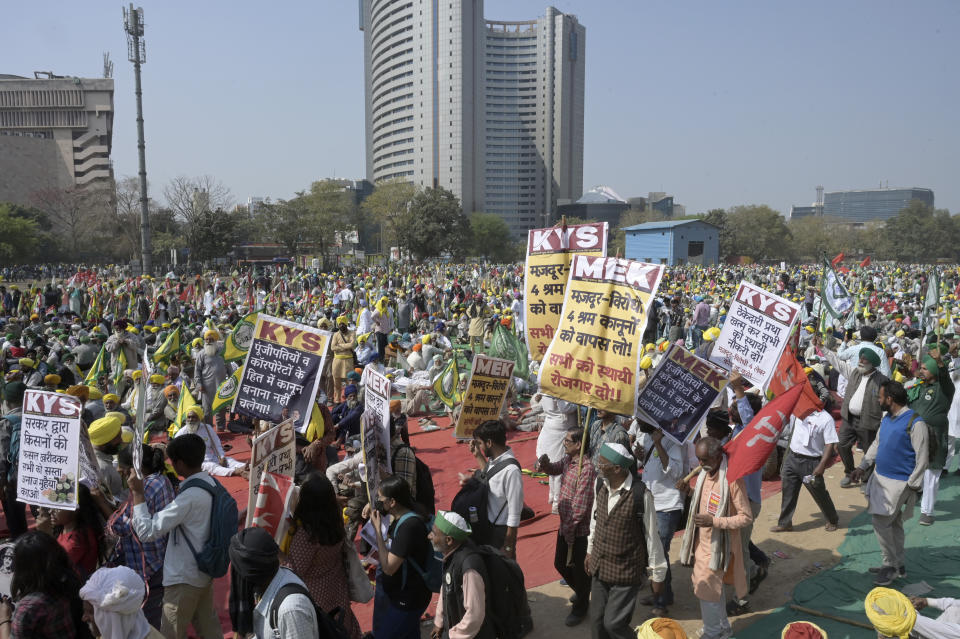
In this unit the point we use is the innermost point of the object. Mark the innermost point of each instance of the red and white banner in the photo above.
(748, 451)
(789, 373)
(276, 501)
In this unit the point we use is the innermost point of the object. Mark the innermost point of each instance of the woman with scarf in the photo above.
(711, 541)
(342, 345)
(318, 549)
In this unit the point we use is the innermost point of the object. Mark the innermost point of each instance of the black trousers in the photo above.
(574, 572)
(15, 513)
(795, 468)
(850, 434)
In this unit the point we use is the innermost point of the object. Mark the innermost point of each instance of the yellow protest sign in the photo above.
(595, 357)
(486, 392)
(545, 276)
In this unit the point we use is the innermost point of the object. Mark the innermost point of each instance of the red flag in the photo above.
(276, 499)
(789, 372)
(865, 263)
(837, 259)
(749, 450)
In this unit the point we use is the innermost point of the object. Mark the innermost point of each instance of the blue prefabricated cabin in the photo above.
(673, 243)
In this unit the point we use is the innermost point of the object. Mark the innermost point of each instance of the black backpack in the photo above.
(507, 609)
(471, 501)
(330, 624)
(426, 495)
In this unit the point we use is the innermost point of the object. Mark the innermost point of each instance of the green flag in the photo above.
(447, 384)
(238, 341)
(170, 346)
(836, 298)
(99, 367)
(505, 345)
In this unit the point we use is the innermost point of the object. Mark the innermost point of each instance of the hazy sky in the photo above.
(718, 103)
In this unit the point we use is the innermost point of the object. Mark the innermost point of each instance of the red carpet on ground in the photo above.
(446, 458)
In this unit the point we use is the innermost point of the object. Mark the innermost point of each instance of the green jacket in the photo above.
(932, 403)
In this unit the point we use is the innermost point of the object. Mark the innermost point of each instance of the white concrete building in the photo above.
(55, 133)
(490, 110)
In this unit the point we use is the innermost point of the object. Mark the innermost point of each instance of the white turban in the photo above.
(116, 595)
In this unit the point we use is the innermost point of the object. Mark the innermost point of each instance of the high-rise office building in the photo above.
(864, 206)
(491, 110)
(55, 133)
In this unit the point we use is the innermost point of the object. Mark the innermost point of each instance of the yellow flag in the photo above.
(99, 367)
(170, 346)
(316, 426)
(238, 341)
(186, 401)
(227, 391)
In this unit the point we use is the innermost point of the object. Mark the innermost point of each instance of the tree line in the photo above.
(918, 233)
(199, 219)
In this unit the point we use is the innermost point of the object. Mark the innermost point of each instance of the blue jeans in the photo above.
(390, 622)
(667, 524)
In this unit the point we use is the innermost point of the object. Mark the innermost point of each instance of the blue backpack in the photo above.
(213, 558)
(432, 573)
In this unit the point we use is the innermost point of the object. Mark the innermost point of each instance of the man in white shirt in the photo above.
(812, 446)
(502, 474)
(662, 462)
(187, 592)
(365, 320)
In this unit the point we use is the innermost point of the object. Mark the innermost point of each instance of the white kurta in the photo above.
(211, 460)
(559, 416)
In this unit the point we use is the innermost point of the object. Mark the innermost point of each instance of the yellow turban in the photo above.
(211, 331)
(26, 362)
(342, 320)
(646, 362)
(95, 393)
(111, 397)
(52, 379)
(890, 612)
(104, 430)
(137, 374)
(648, 348)
(197, 342)
(80, 391)
(425, 339)
(196, 410)
(126, 433)
(660, 628)
(157, 378)
(711, 333)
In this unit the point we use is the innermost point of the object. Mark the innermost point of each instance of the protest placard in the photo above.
(546, 272)
(281, 371)
(276, 452)
(756, 330)
(49, 457)
(594, 359)
(375, 429)
(679, 392)
(486, 392)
